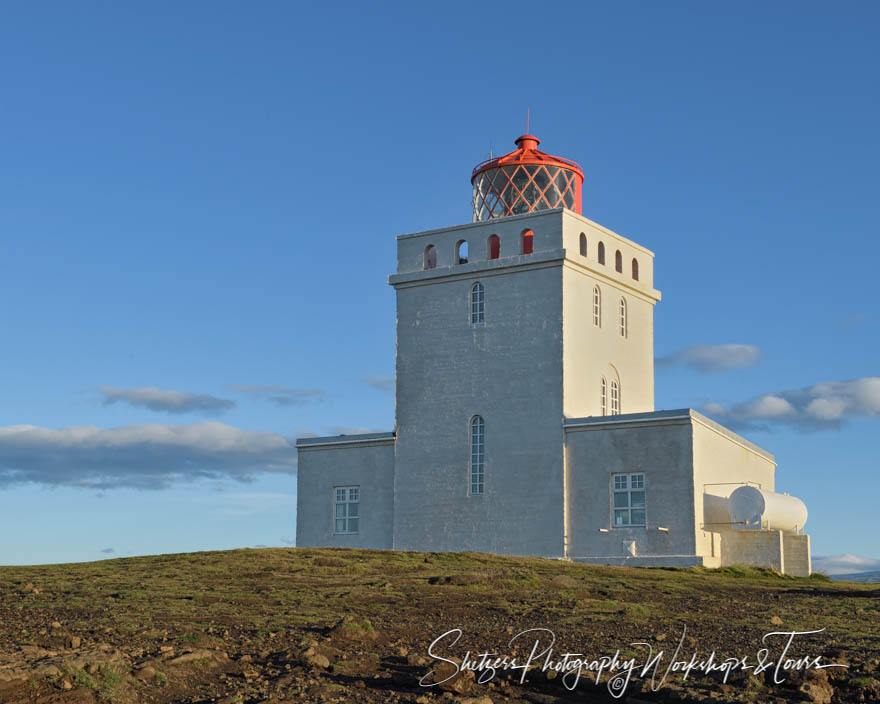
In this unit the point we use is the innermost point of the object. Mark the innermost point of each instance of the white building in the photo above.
(525, 419)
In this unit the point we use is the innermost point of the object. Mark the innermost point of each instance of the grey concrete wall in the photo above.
(761, 548)
(658, 444)
(509, 371)
(797, 554)
(366, 461)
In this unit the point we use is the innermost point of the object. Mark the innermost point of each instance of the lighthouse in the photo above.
(524, 402)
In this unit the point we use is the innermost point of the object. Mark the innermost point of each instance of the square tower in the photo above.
(494, 350)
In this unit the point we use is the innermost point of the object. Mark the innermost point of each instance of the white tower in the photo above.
(524, 418)
(548, 316)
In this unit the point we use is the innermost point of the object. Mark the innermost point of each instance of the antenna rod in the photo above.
(527, 121)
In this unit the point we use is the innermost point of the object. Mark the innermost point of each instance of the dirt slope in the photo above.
(305, 625)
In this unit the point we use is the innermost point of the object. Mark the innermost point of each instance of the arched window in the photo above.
(635, 269)
(461, 252)
(597, 307)
(618, 262)
(623, 330)
(583, 245)
(430, 257)
(478, 455)
(494, 246)
(615, 398)
(601, 252)
(603, 397)
(528, 242)
(478, 301)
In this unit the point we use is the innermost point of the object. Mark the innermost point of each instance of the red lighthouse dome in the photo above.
(524, 181)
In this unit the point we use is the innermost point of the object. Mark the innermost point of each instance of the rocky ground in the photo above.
(302, 625)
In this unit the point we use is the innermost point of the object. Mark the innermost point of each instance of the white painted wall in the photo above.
(509, 371)
(723, 461)
(532, 371)
(657, 444)
(366, 461)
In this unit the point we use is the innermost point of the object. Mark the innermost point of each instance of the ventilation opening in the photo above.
(494, 247)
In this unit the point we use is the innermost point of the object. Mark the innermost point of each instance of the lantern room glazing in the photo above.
(524, 181)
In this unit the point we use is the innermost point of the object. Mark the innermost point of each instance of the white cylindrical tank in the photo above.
(753, 509)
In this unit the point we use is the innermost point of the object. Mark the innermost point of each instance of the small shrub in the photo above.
(111, 677)
(81, 678)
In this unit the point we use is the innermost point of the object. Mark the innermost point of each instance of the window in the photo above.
(478, 302)
(478, 458)
(623, 330)
(528, 242)
(346, 510)
(494, 246)
(597, 307)
(461, 252)
(601, 252)
(628, 499)
(430, 257)
(618, 262)
(603, 397)
(615, 398)
(635, 269)
(583, 245)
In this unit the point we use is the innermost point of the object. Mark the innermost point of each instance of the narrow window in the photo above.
(597, 307)
(628, 499)
(618, 262)
(478, 301)
(461, 252)
(615, 398)
(603, 397)
(623, 330)
(430, 257)
(494, 246)
(583, 245)
(528, 242)
(346, 510)
(601, 252)
(635, 269)
(478, 433)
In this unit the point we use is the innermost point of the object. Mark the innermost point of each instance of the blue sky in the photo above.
(202, 198)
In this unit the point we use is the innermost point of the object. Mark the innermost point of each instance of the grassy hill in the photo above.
(319, 625)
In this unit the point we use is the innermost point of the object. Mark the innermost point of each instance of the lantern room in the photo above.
(524, 181)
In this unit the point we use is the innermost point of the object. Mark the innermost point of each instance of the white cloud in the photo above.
(380, 383)
(354, 430)
(282, 395)
(826, 405)
(770, 406)
(166, 401)
(712, 359)
(844, 564)
(147, 456)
